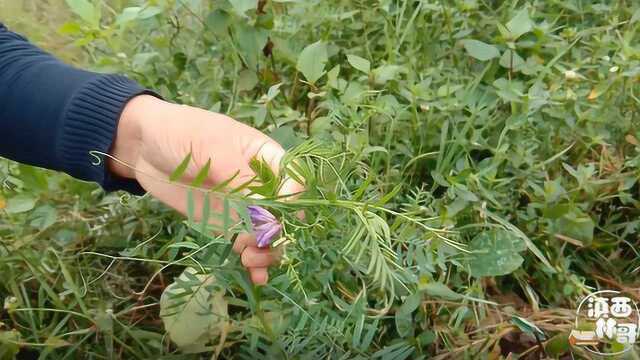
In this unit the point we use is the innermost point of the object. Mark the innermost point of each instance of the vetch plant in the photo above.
(456, 177)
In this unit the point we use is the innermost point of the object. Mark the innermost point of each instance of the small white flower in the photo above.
(614, 69)
(570, 75)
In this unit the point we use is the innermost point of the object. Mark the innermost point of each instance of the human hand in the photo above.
(154, 136)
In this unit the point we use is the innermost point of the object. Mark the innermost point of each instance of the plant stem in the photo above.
(260, 314)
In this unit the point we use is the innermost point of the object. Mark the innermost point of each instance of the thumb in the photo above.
(272, 153)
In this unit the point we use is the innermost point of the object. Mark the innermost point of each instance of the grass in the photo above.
(470, 164)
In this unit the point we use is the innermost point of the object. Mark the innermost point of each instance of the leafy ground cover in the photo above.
(472, 171)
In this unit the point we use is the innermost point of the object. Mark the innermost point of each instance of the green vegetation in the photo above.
(472, 170)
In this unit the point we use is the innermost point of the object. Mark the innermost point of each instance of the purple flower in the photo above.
(265, 225)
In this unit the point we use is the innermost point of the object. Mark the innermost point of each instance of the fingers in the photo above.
(255, 257)
(259, 275)
(271, 152)
(256, 260)
(242, 242)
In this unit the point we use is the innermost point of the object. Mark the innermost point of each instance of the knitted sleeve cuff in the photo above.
(89, 128)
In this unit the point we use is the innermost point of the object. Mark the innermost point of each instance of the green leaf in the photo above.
(312, 61)
(250, 41)
(359, 63)
(20, 203)
(43, 217)
(441, 291)
(202, 175)
(635, 17)
(179, 171)
(136, 12)
(576, 225)
(86, 10)
(9, 344)
(226, 217)
(558, 345)
(511, 60)
(193, 314)
(218, 21)
(385, 73)
(528, 327)
(206, 213)
(479, 50)
(247, 80)
(509, 91)
(520, 24)
(185, 244)
(191, 208)
(265, 176)
(242, 6)
(223, 185)
(403, 317)
(286, 137)
(495, 252)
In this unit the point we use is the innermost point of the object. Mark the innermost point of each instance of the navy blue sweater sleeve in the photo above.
(53, 115)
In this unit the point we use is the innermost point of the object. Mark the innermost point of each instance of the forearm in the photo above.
(53, 115)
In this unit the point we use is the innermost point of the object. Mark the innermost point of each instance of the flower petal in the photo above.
(264, 238)
(259, 214)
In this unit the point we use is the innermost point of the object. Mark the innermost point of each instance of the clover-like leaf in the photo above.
(193, 310)
(312, 60)
(495, 252)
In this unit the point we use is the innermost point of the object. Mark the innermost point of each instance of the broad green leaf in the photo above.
(511, 60)
(312, 61)
(20, 203)
(403, 316)
(385, 73)
(242, 6)
(218, 21)
(480, 50)
(520, 24)
(182, 167)
(43, 217)
(250, 41)
(86, 10)
(192, 313)
(286, 137)
(359, 63)
(332, 76)
(128, 14)
(495, 252)
(247, 80)
(137, 13)
(635, 17)
(149, 12)
(576, 225)
(509, 91)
